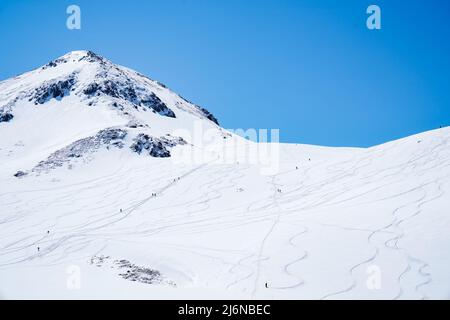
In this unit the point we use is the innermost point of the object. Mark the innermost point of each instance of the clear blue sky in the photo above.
(308, 67)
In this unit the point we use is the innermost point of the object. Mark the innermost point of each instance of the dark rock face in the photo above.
(209, 115)
(127, 91)
(156, 147)
(153, 146)
(19, 174)
(107, 87)
(153, 102)
(158, 150)
(56, 89)
(5, 116)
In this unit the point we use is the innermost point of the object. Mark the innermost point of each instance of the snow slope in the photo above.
(99, 200)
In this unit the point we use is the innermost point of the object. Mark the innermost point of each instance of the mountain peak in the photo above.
(75, 57)
(81, 103)
(77, 53)
(91, 80)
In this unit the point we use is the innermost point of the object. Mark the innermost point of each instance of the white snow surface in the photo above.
(330, 223)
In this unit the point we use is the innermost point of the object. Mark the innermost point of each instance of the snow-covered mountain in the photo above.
(113, 186)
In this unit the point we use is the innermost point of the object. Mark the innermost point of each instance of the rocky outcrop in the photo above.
(132, 272)
(107, 137)
(92, 57)
(155, 147)
(138, 97)
(5, 115)
(53, 89)
(153, 102)
(208, 115)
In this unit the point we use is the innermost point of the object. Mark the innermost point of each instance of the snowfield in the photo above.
(102, 198)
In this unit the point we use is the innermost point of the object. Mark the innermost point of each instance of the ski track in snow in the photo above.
(308, 231)
(199, 217)
(396, 223)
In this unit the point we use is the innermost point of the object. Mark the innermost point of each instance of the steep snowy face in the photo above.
(94, 81)
(66, 106)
